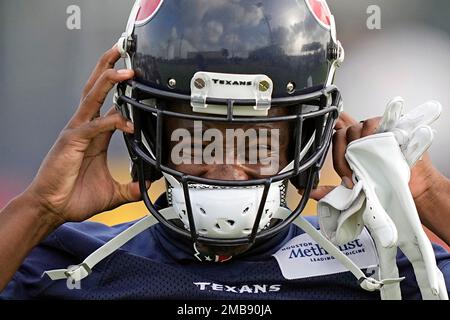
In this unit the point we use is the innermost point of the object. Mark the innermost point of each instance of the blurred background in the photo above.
(44, 65)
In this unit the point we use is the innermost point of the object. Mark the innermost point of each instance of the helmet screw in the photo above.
(199, 83)
(172, 83)
(131, 45)
(290, 87)
(264, 86)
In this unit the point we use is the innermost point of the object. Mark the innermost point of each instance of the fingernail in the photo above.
(130, 125)
(348, 183)
(124, 71)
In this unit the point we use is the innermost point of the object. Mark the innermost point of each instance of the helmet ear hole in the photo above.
(149, 173)
(301, 181)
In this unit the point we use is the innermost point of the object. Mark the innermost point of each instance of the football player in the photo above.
(229, 102)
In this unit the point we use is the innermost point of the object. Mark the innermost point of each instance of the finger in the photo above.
(347, 182)
(90, 106)
(113, 110)
(320, 192)
(105, 124)
(107, 61)
(370, 126)
(354, 132)
(339, 148)
(129, 192)
(106, 137)
(344, 121)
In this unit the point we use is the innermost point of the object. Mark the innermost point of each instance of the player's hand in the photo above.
(348, 130)
(74, 182)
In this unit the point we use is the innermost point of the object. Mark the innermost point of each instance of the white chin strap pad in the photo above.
(224, 213)
(382, 201)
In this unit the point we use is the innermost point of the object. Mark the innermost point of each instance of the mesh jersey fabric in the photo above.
(158, 265)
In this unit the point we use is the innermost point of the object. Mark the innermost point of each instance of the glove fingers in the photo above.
(424, 268)
(443, 295)
(389, 270)
(423, 115)
(392, 115)
(419, 142)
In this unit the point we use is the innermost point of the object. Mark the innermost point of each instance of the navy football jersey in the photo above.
(157, 264)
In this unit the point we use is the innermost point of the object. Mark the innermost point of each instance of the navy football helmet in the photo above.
(229, 62)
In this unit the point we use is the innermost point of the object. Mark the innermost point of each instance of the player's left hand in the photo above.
(348, 130)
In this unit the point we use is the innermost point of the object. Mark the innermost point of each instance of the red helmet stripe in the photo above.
(147, 10)
(320, 11)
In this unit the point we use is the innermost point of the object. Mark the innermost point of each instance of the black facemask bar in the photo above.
(324, 119)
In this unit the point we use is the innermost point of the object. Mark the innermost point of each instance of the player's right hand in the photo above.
(74, 182)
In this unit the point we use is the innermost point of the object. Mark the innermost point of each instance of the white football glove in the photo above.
(381, 199)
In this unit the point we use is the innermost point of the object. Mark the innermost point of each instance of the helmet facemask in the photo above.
(230, 212)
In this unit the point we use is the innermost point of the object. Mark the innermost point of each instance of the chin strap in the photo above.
(381, 199)
(78, 272)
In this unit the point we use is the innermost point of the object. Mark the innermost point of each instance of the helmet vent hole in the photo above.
(203, 211)
(246, 231)
(217, 226)
(230, 222)
(245, 210)
(202, 232)
(266, 211)
(184, 212)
